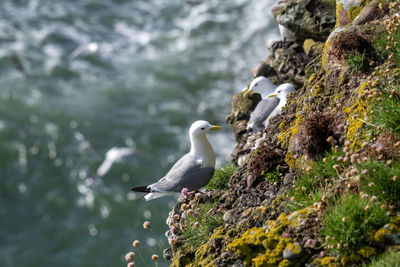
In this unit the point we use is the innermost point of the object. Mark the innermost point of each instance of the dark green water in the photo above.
(152, 68)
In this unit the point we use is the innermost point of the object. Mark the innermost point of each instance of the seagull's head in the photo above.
(283, 90)
(261, 85)
(199, 128)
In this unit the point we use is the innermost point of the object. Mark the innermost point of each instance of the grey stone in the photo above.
(293, 251)
(306, 18)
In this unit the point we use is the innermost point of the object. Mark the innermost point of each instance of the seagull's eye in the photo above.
(256, 84)
(202, 128)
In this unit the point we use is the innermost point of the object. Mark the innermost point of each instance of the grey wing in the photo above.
(262, 111)
(186, 172)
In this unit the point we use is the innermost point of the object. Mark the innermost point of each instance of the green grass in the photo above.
(273, 176)
(357, 62)
(310, 186)
(380, 182)
(221, 177)
(194, 236)
(353, 231)
(387, 111)
(387, 259)
(381, 43)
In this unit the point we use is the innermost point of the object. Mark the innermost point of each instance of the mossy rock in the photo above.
(306, 18)
(348, 10)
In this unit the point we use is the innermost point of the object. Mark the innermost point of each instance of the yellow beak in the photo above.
(215, 127)
(272, 95)
(246, 93)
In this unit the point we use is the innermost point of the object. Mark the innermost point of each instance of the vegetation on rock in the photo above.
(323, 188)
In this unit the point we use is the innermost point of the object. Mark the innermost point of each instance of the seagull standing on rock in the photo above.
(281, 92)
(192, 171)
(273, 108)
(264, 87)
(273, 99)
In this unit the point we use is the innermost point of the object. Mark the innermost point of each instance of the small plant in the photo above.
(221, 177)
(310, 186)
(357, 62)
(387, 43)
(349, 222)
(387, 108)
(382, 180)
(199, 223)
(388, 259)
(273, 176)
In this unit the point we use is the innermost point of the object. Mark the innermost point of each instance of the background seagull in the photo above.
(281, 92)
(260, 85)
(264, 87)
(115, 154)
(193, 171)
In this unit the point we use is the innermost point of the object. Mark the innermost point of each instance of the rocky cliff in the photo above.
(323, 187)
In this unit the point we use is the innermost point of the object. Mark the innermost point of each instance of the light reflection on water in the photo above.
(80, 77)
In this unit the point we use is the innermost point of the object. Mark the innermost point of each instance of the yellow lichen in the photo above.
(355, 10)
(357, 120)
(339, 11)
(380, 235)
(203, 256)
(347, 260)
(293, 247)
(285, 136)
(366, 252)
(329, 261)
(285, 263)
(264, 246)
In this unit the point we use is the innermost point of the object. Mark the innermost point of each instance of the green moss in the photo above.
(221, 177)
(349, 222)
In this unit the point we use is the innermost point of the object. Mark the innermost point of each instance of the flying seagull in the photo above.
(115, 154)
(192, 171)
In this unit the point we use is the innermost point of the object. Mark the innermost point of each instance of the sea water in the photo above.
(78, 77)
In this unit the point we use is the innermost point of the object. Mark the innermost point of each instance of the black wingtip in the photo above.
(141, 189)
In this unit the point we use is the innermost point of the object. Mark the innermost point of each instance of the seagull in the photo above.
(192, 171)
(269, 107)
(264, 87)
(281, 92)
(260, 85)
(115, 154)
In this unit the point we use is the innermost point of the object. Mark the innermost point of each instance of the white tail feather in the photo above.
(151, 196)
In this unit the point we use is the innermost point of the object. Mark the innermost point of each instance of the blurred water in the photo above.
(81, 76)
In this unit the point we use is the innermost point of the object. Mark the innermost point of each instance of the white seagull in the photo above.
(264, 87)
(115, 154)
(269, 106)
(192, 171)
(282, 91)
